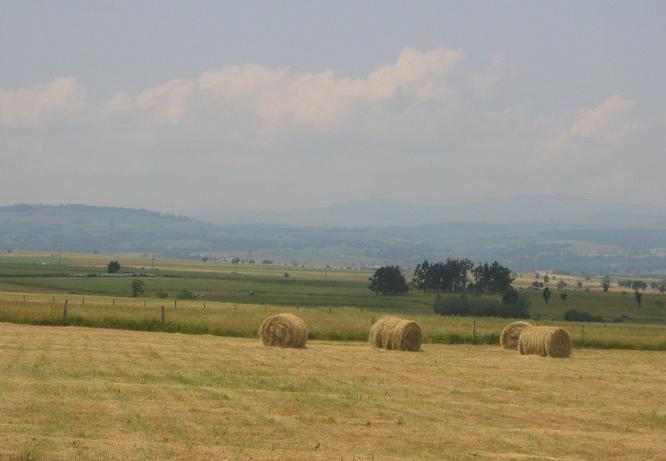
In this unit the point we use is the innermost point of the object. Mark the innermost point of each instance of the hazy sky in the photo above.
(195, 105)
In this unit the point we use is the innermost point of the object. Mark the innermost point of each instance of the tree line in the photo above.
(459, 276)
(453, 276)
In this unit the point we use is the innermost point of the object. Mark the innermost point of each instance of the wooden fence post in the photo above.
(162, 314)
(474, 327)
(175, 303)
(113, 302)
(64, 311)
(582, 333)
(83, 301)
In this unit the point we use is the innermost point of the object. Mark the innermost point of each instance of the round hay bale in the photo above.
(545, 341)
(283, 330)
(511, 333)
(394, 333)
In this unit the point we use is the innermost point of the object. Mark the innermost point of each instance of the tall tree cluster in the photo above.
(491, 278)
(441, 277)
(388, 280)
(453, 275)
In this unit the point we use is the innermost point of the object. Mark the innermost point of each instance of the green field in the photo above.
(336, 304)
(333, 323)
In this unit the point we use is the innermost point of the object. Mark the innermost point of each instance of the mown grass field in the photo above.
(78, 393)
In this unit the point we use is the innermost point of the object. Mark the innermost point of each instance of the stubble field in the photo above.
(77, 393)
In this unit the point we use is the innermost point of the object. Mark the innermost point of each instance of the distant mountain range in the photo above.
(559, 210)
(526, 233)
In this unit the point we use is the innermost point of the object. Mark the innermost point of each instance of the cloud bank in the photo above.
(428, 127)
(608, 123)
(283, 96)
(32, 105)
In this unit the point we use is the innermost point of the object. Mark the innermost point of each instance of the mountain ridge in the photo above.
(576, 244)
(555, 209)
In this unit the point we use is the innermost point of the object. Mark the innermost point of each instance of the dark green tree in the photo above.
(491, 278)
(113, 267)
(388, 280)
(510, 296)
(638, 296)
(442, 277)
(564, 297)
(546, 294)
(605, 285)
(420, 272)
(137, 287)
(523, 305)
(186, 293)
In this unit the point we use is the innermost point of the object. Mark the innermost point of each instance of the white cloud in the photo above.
(607, 123)
(412, 70)
(29, 106)
(595, 122)
(275, 96)
(119, 103)
(168, 102)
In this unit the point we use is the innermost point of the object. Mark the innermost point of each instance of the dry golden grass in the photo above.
(76, 393)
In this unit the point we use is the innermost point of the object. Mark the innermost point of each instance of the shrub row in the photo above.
(466, 306)
(572, 315)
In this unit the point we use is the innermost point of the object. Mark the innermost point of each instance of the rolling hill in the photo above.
(593, 237)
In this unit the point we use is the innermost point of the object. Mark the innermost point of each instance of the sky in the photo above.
(269, 105)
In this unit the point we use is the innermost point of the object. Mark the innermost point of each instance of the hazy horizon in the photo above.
(214, 105)
(368, 202)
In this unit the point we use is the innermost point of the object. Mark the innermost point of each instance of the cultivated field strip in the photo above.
(333, 323)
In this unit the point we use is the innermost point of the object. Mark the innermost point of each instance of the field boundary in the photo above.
(203, 329)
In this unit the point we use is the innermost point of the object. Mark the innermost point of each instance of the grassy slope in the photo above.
(73, 393)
